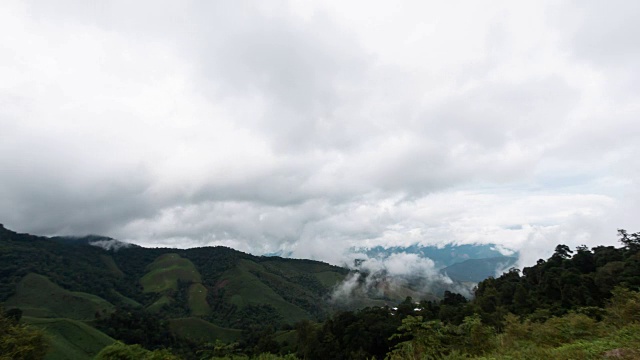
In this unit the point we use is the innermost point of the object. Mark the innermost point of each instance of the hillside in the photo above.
(214, 282)
(218, 284)
(37, 296)
(70, 339)
(222, 302)
(476, 270)
(66, 283)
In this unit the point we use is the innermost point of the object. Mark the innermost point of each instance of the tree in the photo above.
(426, 339)
(18, 341)
(562, 251)
(630, 241)
(477, 337)
(120, 351)
(583, 260)
(521, 300)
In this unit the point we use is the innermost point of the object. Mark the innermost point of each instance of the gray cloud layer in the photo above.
(315, 127)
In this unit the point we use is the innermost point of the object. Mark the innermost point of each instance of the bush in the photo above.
(18, 341)
(120, 351)
(623, 308)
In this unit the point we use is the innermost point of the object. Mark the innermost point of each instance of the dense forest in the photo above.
(579, 303)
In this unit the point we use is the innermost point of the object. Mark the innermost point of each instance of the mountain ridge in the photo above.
(231, 290)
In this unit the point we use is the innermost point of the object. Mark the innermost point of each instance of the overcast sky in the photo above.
(312, 127)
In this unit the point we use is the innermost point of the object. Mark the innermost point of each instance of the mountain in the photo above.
(107, 285)
(71, 280)
(467, 263)
(476, 270)
(216, 282)
(442, 256)
(221, 303)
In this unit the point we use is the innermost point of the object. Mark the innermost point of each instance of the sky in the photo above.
(312, 127)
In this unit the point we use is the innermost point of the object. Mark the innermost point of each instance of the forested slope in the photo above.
(580, 303)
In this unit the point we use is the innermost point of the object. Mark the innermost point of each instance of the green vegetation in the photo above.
(329, 279)
(37, 296)
(66, 286)
(584, 305)
(72, 266)
(571, 336)
(70, 339)
(248, 286)
(218, 303)
(125, 301)
(165, 272)
(120, 351)
(111, 265)
(19, 341)
(162, 303)
(202, 331)
(197, 299)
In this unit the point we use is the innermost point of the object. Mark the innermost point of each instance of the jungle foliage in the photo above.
(19, 341)
(579, 303)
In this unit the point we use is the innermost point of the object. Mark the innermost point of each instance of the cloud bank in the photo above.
(313, 127)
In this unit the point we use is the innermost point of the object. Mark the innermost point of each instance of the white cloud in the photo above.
(311, 127)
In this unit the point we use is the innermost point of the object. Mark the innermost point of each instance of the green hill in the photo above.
(84, 297)
(160, 293)
(37, 296)
(70, 339)
(249, 284)
(165, 272)
(157, 297)
(199, 330)
(197, 300)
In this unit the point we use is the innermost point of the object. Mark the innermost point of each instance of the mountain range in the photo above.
(82, 290)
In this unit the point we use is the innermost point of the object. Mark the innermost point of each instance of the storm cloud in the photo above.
(310, 128)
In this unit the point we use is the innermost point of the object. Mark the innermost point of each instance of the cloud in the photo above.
(112, 244)
(312, 127)
(395, 277)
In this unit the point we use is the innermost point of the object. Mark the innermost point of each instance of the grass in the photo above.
(37, 296)
(111, 265)
(287, 340)
(70, 339)
(622, 343)
(197, 298)
(245, 288)
(626, 340)
(163, 275)
(157, 306)
(126, 300)
(200, 330)
(165, 272)
(329, 279)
